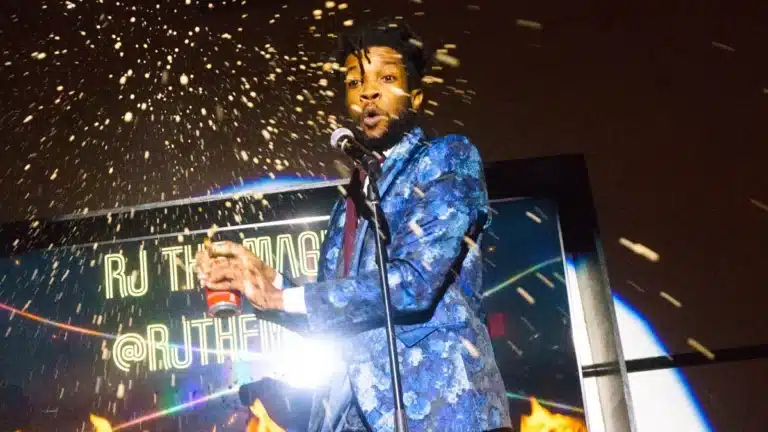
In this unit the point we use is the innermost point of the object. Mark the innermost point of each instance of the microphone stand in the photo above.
(374, 201)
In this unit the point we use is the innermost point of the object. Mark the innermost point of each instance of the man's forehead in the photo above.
(381, 55)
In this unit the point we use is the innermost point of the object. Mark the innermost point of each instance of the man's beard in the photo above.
(396, 130)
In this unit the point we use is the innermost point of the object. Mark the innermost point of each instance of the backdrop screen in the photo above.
(119, 329)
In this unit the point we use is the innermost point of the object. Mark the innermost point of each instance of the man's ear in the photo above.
(417, 97)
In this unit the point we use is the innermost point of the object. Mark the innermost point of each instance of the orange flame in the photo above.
(261, 422)
(542, 420)
(100, 424)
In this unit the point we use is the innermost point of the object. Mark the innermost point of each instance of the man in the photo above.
(436, 206)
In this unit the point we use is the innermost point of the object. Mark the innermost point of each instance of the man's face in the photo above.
(378, 95)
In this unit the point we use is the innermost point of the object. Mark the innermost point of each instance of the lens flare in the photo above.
(89, 332)
(56, 324)
(102, 425)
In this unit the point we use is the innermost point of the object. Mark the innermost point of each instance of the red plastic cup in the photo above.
(223, 304)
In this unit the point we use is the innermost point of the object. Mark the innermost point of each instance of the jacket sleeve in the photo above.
(448, 198)
(296, 322)
(321, 265)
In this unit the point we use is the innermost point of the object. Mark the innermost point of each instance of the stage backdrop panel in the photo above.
(116, 326)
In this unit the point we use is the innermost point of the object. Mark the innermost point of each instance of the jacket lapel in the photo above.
(400, 157)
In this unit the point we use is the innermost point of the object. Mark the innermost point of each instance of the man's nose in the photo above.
(370, 94)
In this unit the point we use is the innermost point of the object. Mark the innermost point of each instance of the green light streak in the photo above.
(518, 276)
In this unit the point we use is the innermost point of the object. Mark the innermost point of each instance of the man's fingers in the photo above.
(203, 261)
(263, 268)
(221, 262)
(226, 285)
(226, 249)
(218, 274)
(229, 254)
(269, 274)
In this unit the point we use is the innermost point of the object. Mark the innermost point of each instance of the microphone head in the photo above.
(338, 135)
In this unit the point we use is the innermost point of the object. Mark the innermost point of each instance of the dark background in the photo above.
(667, 99)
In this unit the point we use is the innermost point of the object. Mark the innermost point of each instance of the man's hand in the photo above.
(229, 266)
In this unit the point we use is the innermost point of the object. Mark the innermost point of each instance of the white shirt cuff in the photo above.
(293, 300)
(278, 282)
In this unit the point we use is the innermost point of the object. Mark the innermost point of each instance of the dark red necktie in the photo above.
(352, 215)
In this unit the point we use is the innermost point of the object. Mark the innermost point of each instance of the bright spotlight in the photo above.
(307, 363)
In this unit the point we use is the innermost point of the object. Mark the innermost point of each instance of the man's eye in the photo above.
(389, 78)
(353, 83)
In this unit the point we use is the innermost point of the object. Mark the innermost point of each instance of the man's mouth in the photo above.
(371, 116)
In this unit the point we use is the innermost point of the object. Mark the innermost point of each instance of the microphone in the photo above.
(343, 139)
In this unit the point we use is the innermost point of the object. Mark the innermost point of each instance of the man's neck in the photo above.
(394, 136)
(383, 144)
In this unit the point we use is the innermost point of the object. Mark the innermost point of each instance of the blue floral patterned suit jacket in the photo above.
(436, 205)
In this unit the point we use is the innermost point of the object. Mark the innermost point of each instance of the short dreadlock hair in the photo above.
(392, 34)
